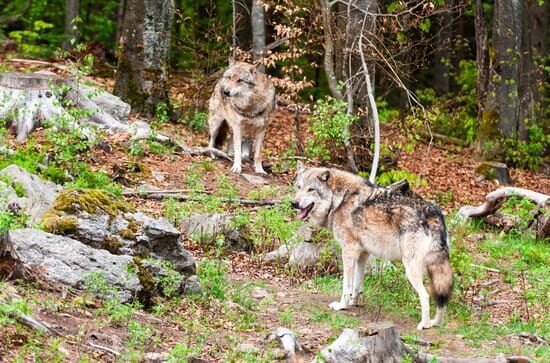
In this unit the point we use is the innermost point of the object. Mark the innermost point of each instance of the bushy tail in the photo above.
(441, 276)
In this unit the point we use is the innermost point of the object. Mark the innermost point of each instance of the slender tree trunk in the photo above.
(142, 70)
(258, 31)
(482, 58)
(119, 20)
(72, 9)
(441, 80)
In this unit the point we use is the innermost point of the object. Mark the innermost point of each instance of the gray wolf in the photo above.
(244, 100)
(369, 220)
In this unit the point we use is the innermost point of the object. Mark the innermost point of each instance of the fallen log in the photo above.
(495, 199)
(160, 195)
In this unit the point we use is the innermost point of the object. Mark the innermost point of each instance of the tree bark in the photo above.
(72, 10)
(442, 83)
(482, 58)
(509, 103)
(258, 31)
(142, 70)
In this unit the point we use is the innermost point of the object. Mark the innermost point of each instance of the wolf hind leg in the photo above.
(358, 276)
(415, 273)
(258, 142)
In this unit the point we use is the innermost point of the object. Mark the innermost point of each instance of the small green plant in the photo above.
(213, 277)
(181, 352)
(393, 176)
(528, 154)
(169, 280)
(330, 124)
(197, 122)
(520, 207)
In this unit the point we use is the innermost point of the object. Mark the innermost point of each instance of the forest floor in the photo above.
(500, 304)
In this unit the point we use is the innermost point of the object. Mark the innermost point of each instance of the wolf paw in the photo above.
(434, 322)
(424, 325)
(259, 169)
(337, 305)
(236, 168)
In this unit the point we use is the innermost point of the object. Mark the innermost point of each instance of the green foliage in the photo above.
(520, 207)
(213, 277)
(330, 124)
(169, 280)
(180, 353)
(31, 41)
(197, 122)
(528, 154)
(393, 176)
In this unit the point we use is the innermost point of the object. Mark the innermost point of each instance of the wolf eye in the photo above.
(310, 190)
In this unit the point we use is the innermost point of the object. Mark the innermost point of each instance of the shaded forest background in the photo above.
(476, 71)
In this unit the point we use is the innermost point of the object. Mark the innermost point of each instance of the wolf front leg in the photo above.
(258, 168)
(237, 145)
(350, 260)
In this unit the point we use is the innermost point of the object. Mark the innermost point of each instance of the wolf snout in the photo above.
(227, 92)
(295, 204)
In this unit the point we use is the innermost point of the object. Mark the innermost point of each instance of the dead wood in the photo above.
(10, 264)
(33, 324)
(495, 199)
(160, 195)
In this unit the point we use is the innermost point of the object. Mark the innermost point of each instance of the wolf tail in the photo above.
(441, 276)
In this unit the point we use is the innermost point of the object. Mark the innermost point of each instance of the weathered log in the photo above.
(28, 99)
(10, 264)
(495, 199)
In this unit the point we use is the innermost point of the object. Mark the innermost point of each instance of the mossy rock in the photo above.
(58, 224)
(89, 200)
(113, 244)
(128, 234)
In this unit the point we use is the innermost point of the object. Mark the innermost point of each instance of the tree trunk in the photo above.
(258, 31)
(72, 10)
(482, 58)
(441, 80)
(119, 20)
(509, 98)
(142, 70)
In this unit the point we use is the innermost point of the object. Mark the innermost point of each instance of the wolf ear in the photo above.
(300, 167)
(325, 176)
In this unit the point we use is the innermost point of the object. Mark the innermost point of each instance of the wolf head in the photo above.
(239, 80)
(314, 195)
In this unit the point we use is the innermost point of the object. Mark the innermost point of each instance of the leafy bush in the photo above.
(528, 154)
(329, 123)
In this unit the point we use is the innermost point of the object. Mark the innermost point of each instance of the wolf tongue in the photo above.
(302, 213)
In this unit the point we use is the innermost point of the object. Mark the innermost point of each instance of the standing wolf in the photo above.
(368, 220)
(244, 98)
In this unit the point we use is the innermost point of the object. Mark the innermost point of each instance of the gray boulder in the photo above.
(205, 228)
(69, 261)
(304, 255)
(38, 194)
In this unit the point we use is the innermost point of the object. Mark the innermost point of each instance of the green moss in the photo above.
(112, 244)
(58, 224)
(128, 234)
(134, 225)
(89, 200)
(145, 278)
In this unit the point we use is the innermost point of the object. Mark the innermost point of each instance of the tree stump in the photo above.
(28, 99)
(489, 170)
(10, 265)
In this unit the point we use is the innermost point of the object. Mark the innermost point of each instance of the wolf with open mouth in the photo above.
(369, 220)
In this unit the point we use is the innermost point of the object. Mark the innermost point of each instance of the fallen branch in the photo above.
(107, 349)
(33, 323)
(160, 195)
(421, 357)
(495, 199)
